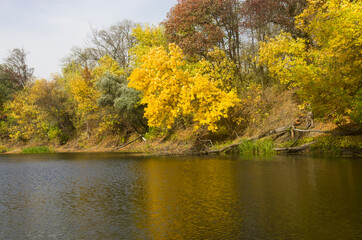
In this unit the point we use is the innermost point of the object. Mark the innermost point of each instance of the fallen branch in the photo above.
(124, 145)
(319, 131)
(294, 149)
(283, 130)
(265, 134)
(351, 132)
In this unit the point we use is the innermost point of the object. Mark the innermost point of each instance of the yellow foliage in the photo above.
(146, 37)
(218, 68)
(328, 69)
(107, 64)
(170, 91)
(30, 121)
(84, 92)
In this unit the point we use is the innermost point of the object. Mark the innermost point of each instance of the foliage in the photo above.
(41, 149)
(218, 68)
(7, 85)
(197, 26)
(327, 70)
(124, 100)
(170, 91)
(40, 110)
(23, 117)
(337, 144)
(154, 133)
(258, 15)
(146, 38)
(14, 75)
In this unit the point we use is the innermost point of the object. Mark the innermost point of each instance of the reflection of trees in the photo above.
(188, 199)
(180, 199)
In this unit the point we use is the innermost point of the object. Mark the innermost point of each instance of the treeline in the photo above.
(202, 67)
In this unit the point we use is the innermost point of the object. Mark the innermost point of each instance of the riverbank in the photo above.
(182, 143)
(277, 125)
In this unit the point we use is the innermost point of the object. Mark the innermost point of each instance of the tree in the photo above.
(170, 90)
(112, 83)
(146, 37)
(16, 61)
(197, 26)
(327, 70)
(40, 111)
(14, 75)
(261, 16)
(124, 100)
(114, 42)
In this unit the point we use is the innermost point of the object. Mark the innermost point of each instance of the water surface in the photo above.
(115, 196)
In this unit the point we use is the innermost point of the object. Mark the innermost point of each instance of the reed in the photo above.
(257, 147)
(40, 149)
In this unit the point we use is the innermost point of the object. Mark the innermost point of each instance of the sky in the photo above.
(48, 29)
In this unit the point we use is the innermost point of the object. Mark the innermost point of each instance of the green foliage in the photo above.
(41, 149)
(335, 145)
(155, 132)
(356, 115)
(257, 147)
(3, 149)
(116, 93)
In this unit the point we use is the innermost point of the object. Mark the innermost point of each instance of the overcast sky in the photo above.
(48, 29)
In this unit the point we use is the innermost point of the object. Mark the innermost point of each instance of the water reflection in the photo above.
(195, 199)
(110, 196)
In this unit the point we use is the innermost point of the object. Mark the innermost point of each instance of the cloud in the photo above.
(49, 29)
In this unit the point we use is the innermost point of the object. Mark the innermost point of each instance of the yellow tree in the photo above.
(85, 94)
(146, 37)
(327, 69)
(22, 116)
(171, 91)
(39, 112)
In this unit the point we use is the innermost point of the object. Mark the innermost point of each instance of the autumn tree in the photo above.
(146, 37)
(197, 26)
(267, 17)
(7, 84)
(40, 111)
(327, 70)
(170, 90)
(14, 74)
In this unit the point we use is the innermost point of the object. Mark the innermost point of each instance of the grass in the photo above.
(41, 149)
(257, 147)
(3, 149)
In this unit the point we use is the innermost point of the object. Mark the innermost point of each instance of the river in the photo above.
(118, 196)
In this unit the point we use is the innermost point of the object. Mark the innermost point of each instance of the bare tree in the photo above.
(114, 41)
(16, 62)
(83, 56)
